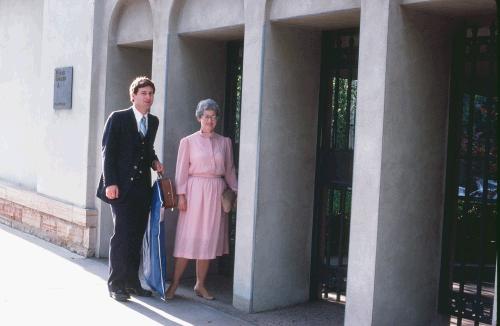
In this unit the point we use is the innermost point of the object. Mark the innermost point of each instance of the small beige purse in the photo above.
(228, 200)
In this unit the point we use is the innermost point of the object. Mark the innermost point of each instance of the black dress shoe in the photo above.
(119, 295)
(139, 291)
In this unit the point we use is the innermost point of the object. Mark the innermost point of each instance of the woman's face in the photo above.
(208, 121)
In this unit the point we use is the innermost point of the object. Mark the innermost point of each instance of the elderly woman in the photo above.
(204, 169)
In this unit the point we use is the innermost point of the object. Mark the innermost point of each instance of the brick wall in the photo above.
(63, 224)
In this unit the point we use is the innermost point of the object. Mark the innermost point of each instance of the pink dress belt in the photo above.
(211, 176)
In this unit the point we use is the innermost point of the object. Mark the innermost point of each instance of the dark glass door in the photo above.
(469, 233)
(231, 129)
(335, 150)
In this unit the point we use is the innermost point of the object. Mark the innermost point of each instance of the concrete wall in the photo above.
(44, 151)
(401, 133)
(62, 157)
(124, 64)
(20, 58)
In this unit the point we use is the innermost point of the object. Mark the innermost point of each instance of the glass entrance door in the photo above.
(335, 150)
(469, 233)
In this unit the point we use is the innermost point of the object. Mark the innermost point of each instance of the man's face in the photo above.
(143, 99)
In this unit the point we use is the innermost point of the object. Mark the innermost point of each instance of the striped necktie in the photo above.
(142, 127)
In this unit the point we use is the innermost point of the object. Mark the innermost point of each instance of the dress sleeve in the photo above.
(182, 167)
(230, 170)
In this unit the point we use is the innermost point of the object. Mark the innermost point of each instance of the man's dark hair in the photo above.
(140, 82)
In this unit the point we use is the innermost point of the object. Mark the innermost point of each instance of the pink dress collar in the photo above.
(206, 134)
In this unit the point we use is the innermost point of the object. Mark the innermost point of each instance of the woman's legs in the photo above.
(180, 266)
(201, 274)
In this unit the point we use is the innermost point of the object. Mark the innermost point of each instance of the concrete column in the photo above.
(399, 165)
(277, 165)
(251, 106)
(102, 12)
(159, 69)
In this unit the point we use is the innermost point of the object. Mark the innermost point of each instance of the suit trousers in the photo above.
(130, 219)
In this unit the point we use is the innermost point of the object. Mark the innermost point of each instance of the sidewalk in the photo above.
(43, 284)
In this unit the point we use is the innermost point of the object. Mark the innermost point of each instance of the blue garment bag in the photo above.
(154, 263)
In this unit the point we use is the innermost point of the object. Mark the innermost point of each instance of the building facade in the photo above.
(355, 123)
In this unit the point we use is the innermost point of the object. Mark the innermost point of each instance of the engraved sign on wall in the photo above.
(63, 87)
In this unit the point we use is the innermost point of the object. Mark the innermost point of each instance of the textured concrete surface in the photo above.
(398, 117)
(47, 285)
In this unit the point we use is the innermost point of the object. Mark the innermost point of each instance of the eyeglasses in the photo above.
(210, 117)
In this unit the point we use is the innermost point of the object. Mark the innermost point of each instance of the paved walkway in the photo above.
(43, 284)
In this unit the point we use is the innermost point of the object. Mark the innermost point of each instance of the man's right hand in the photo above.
(112, 192)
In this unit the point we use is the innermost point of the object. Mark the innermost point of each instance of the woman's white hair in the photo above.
(207, 104)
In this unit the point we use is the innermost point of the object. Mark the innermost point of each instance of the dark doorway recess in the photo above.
(231, 129)
(332, 211)
(469, 233)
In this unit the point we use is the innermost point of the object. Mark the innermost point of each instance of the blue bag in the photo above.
(154, 263)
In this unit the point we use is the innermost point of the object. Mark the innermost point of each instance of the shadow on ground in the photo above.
(185, 307)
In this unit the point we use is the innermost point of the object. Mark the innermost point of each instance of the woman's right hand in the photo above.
(182, 203)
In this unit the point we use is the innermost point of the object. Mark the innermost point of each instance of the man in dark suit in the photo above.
(128, 156)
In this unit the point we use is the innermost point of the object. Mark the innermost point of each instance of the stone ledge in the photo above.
(79, 248)
(85, 217)
(63, 224)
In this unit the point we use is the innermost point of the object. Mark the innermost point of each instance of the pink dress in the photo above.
(204, 169)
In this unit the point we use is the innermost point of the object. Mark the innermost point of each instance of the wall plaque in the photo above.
(63, 87)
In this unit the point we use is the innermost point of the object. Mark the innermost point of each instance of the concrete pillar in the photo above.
(159, 68)
(251, 105)
(97, 120)
(399, 165)
(277, 164)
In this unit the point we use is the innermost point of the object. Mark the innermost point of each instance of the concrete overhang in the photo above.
(324, 21)
(318, 14)
(215, 20)
(453, 8)
(144, 44)
(227, 33)
(134, 27)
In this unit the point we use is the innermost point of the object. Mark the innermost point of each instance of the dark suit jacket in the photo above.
(121, 152)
